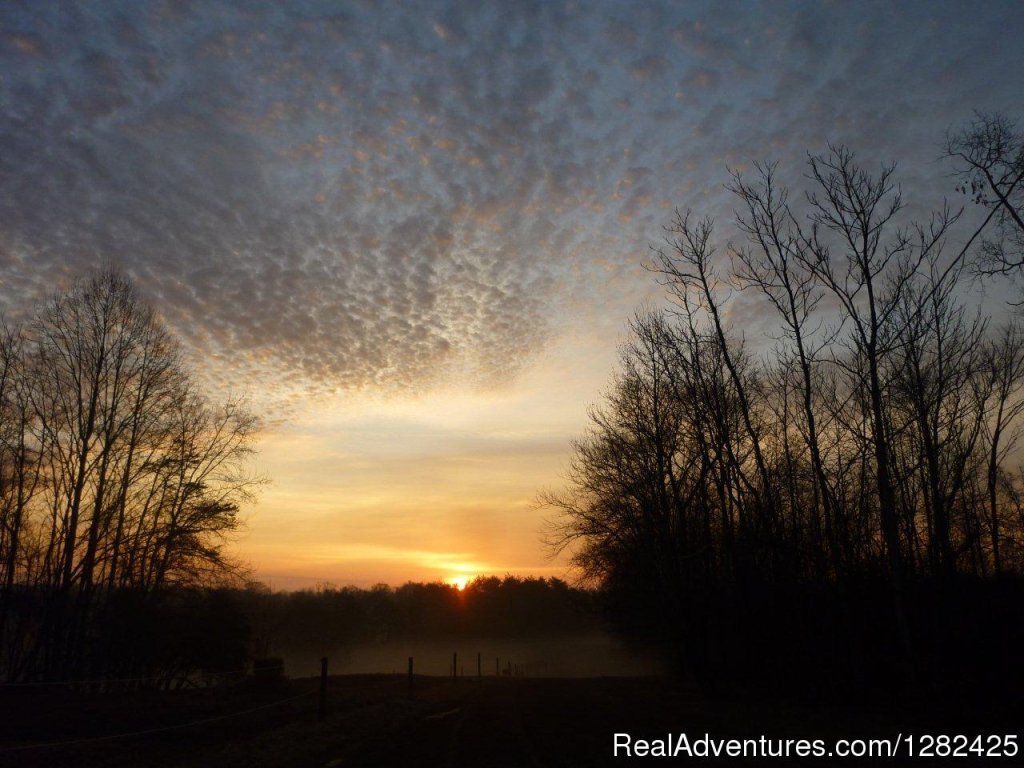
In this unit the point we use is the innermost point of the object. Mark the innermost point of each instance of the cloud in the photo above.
(696, 80)
(648, 67)
(390, 196)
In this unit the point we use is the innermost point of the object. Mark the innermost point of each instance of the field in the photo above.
(375, 720)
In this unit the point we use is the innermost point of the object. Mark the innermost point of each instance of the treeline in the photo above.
(119, 479)
(190, 634)
(508, 608)
(847, 510)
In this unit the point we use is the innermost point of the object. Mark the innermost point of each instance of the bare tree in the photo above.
(20, 462)
(205, 481)
(855, 213)
(990, 164)
(774, 263)
(687, 264)
(1005, 384)
(115, 473)
(936, 382)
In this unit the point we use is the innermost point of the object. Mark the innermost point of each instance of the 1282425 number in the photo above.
(962, 745)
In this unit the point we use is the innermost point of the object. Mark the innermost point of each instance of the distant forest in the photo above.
(181, 633)
(845, 511)
(489, 607)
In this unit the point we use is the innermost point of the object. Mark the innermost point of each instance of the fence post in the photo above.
(323, 687)
(410, 673)
(455, 664)
(479, 671)
(497, 667)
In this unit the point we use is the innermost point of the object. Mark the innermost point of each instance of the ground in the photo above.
(489, 722)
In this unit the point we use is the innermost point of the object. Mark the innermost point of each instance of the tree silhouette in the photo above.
(117, 474)
(827, 507)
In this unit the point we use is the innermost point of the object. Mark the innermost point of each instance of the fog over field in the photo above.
(594, 655)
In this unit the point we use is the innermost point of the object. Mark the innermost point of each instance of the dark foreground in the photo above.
(491, 723)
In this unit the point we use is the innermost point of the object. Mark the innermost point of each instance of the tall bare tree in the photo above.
(773, 261)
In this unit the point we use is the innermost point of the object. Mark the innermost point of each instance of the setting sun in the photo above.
(459, 582)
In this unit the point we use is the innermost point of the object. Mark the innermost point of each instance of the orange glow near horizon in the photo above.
(459, 582)
(443, 486)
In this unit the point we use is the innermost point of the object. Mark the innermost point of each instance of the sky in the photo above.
(412, 233)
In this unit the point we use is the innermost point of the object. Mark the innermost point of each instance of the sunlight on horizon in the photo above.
(459, 582)
(369, 488)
